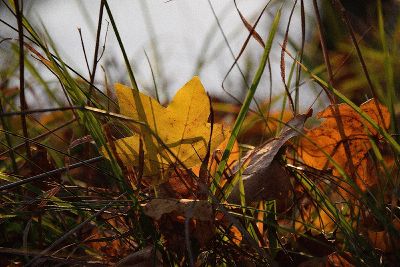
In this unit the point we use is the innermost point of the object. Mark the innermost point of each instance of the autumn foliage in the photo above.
(324, 147)
(109, 176)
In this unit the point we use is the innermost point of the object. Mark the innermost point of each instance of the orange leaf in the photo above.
(326, 139)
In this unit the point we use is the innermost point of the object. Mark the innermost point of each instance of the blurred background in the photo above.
(180, 38)
(168, 42)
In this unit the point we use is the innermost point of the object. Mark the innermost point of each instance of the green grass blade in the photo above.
(249, 97)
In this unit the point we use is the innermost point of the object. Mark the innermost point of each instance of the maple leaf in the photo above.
(357, 130)
(179, 131)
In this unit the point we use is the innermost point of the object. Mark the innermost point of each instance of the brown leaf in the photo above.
(182, 221)
(332, 260)
(196, 209)
(108, 242)
(335, 260)
(383, 240)
(180, 185)
(264, 177)
(144, 257)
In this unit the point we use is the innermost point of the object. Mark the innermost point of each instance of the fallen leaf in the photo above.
(182, 127)
(147, 256)
(256, 128)
(357, 130)
(181, 184)
(182, 219)
(108, 242)
(383, 240)
(332, 260)
(264, 178)
(337, 260)
(196, 209)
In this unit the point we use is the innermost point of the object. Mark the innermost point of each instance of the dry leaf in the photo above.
(182, 127)
(108, 242)
(177, 216)
(196, 209)
(264, 178)
(332, 260)
(336, 260)
(383, 240)
(147, 256)
(356, 129)
(181, 184)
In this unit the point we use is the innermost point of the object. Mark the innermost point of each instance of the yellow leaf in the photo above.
(182, 127)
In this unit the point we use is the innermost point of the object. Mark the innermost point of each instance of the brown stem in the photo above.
(24, 106)
(334, 106)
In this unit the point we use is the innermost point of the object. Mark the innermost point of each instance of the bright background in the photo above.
(175, 35)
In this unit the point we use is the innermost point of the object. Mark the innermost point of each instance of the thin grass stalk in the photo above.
(69, 233)
(303, 38)
(332, 98)
(350, 30)
(24, 106)
(96, 52)
(358, 244)
(148, 142)
(283, 71)
(121, 45)
(36, 40)
(84, 51)
(252, 33)
(388, 65)
(8, 139)
(39, 136)
(153, 77)
(246, 104)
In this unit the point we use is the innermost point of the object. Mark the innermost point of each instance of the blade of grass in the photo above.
(388, 66)
(121, 45)
(148, 141)
(247, 101)
(69, 233)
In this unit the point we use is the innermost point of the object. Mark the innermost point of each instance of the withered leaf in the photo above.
(264, 178)
(195, 209)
